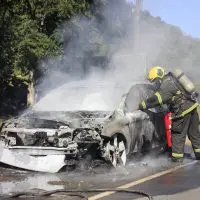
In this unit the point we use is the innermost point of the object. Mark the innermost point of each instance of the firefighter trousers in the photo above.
(186, 126)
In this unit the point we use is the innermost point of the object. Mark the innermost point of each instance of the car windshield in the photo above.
(82, 96)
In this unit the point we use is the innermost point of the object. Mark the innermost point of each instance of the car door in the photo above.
(146, 128)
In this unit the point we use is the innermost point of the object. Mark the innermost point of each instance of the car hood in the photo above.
(56, 119)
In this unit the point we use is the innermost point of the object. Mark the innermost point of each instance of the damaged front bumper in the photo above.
(46, 149)
(36, 158)
(19, 157)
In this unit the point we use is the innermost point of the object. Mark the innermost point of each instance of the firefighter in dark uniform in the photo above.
(182, 104)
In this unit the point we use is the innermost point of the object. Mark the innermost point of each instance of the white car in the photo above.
(72, 122)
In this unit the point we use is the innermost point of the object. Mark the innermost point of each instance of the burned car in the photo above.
(72, 122)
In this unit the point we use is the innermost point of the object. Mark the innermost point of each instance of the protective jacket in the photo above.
(172, 94)
(185, 120)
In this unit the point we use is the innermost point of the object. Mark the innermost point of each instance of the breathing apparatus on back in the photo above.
(186, 85)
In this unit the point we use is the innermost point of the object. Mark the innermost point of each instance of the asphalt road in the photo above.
(181, 183)
(156, 176)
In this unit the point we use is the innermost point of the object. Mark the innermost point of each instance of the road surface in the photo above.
(156, 176)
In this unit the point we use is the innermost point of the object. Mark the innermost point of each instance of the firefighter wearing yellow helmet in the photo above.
(156, 72)
(175, 90)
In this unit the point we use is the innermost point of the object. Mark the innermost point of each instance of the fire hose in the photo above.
(78, 193)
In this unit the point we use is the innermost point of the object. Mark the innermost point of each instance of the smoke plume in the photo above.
(102, 49)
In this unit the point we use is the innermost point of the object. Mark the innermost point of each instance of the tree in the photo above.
(28, 32)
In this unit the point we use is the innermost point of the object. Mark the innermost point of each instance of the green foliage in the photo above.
(28, 32)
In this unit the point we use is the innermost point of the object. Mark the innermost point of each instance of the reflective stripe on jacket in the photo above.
(169, 93)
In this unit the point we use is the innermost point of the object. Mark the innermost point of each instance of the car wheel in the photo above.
(116, 151)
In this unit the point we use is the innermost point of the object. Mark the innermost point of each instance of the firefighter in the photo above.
(179, 94)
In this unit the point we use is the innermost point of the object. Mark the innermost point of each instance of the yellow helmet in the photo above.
(156, 72)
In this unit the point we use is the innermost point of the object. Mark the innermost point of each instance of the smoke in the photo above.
(105, 175)
(102, 49)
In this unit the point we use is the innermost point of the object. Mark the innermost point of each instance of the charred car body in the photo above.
(42, 140)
